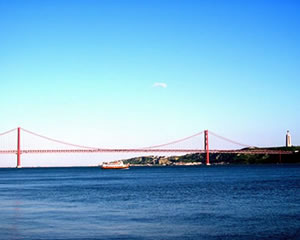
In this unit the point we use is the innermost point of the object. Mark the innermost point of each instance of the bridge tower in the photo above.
(19, 149)
(206, 146)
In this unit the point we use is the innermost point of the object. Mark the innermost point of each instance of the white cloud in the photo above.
(160, 84)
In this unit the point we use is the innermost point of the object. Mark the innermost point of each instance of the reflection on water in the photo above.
(17, 211)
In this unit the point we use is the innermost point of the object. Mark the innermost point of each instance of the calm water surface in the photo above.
(216, 202)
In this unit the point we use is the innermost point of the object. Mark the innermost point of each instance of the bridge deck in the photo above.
(45, 151)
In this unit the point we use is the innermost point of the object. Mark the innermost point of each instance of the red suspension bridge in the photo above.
(63, 147)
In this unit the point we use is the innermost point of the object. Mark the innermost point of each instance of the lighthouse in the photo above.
(288, 140)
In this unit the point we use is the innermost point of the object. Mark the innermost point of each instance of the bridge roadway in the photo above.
(141, 150)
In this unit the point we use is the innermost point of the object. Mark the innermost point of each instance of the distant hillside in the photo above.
(220, 158)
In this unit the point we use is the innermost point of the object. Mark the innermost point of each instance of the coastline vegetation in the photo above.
(219, 158)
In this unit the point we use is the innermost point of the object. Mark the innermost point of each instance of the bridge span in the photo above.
(162, 148)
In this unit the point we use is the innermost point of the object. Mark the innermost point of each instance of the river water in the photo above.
(215, 202)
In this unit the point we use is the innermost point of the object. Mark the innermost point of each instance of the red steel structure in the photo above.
(206, 146)
(19, 149)
(152, 149)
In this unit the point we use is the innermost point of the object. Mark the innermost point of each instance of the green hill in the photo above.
(220, 158)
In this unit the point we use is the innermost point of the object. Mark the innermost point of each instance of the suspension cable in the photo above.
(176, 141)
(57, 141)
(229, 140)
(9, 131)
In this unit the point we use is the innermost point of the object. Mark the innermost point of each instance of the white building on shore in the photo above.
(288, 139)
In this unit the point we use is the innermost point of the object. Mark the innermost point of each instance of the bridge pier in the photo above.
(19, 149)
(206, 146)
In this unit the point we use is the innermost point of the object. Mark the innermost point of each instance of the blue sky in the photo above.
(84, 71)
